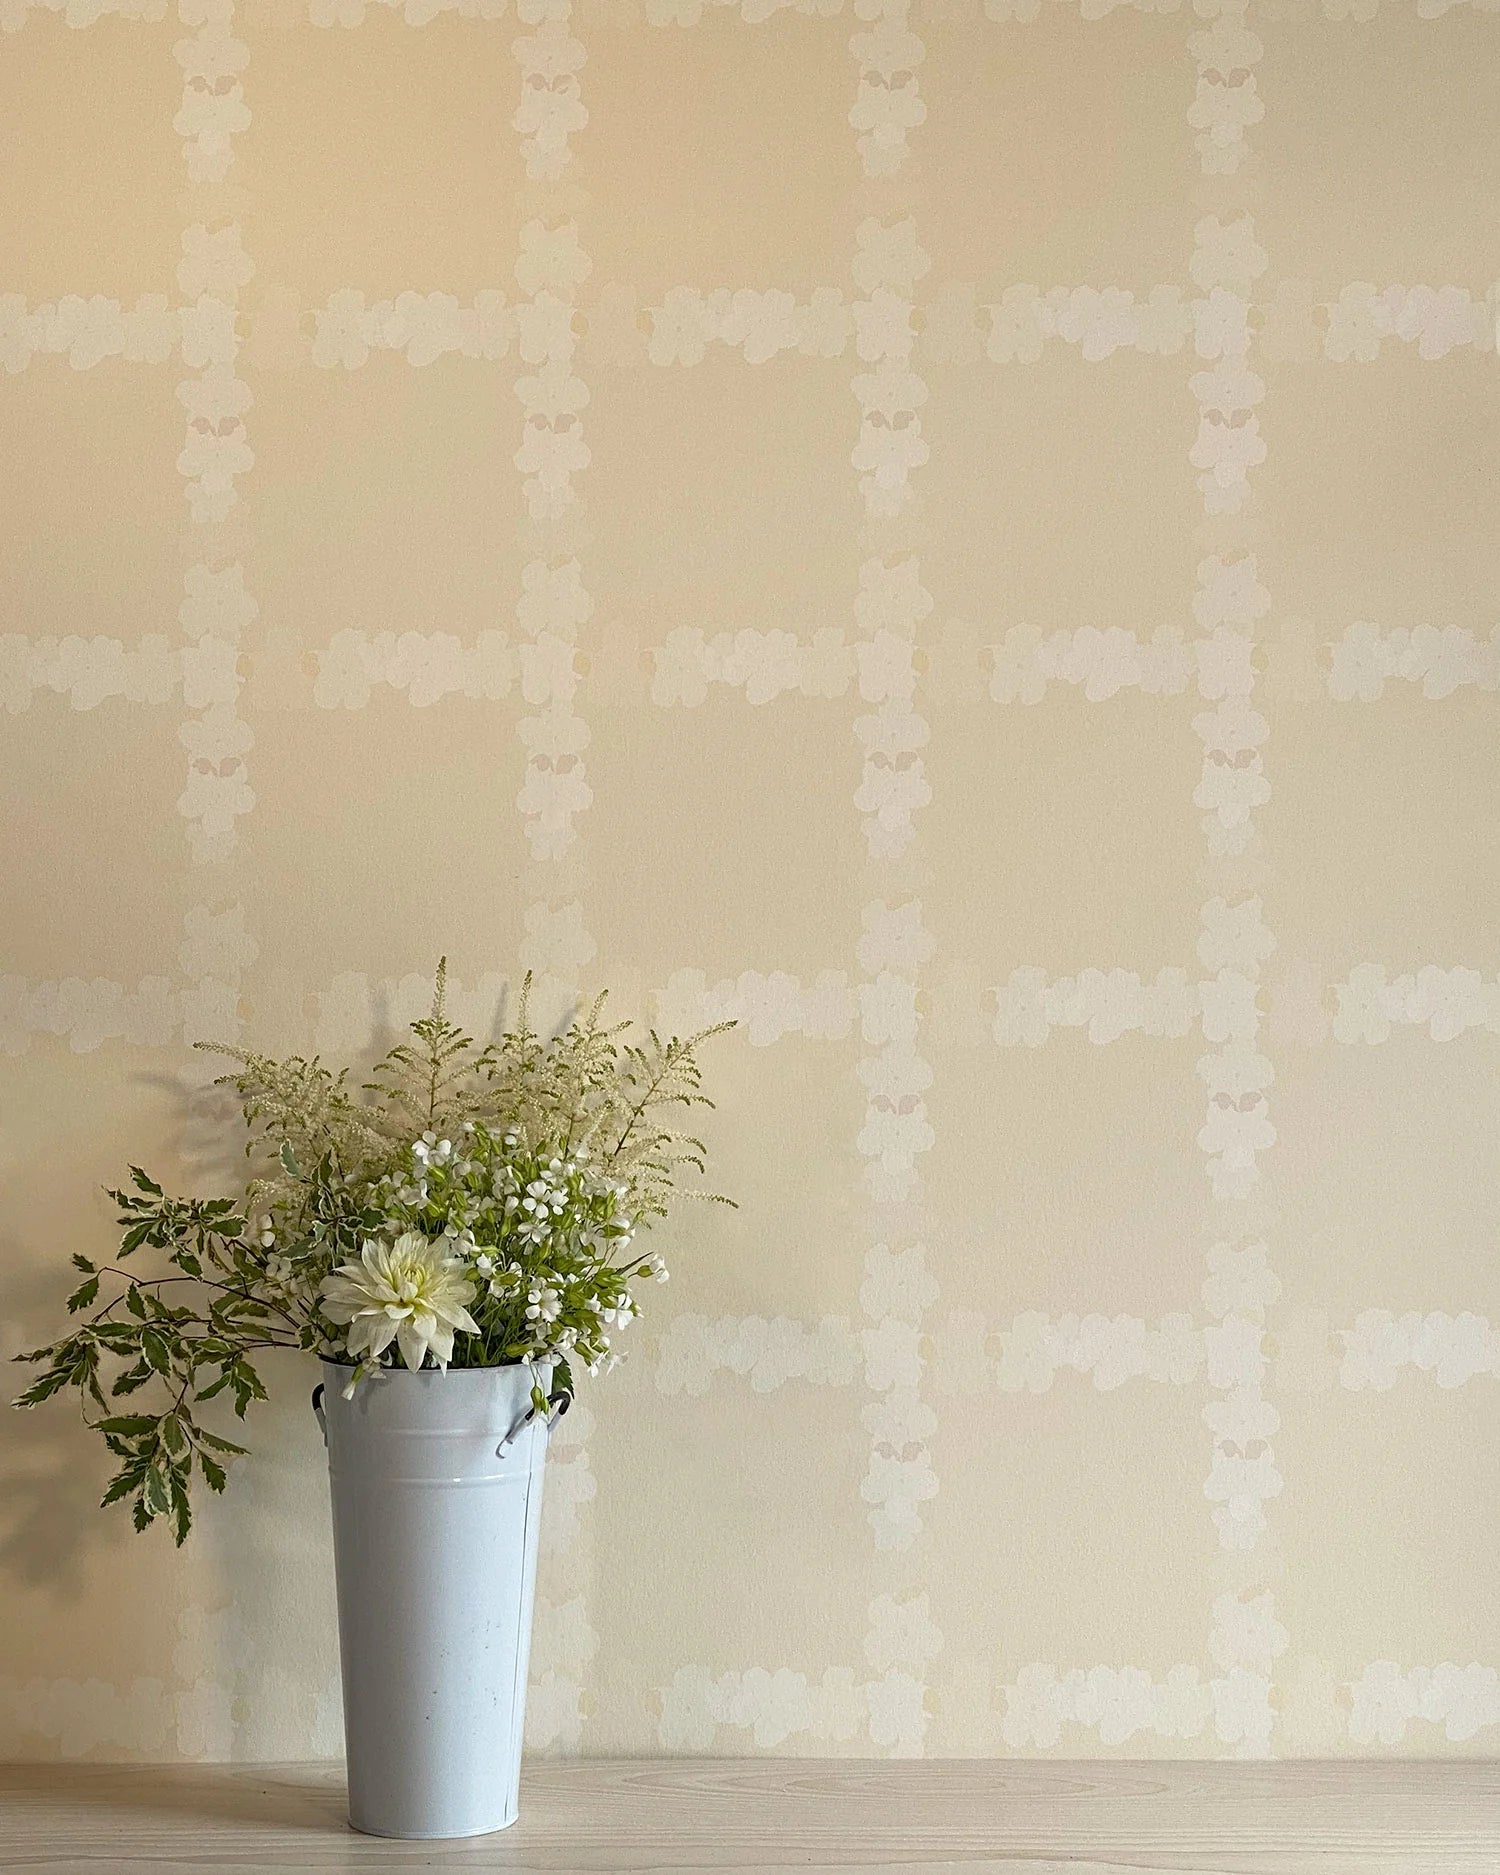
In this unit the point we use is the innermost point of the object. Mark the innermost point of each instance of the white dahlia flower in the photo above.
(410, 1292)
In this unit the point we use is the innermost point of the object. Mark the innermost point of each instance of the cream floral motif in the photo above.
(1447, 1003)
(1385, 1701)
(1441, 658)
(423, 327)
(414, 12)
(551, 611)
(87, 671)
(215, 951)
(775, 1706)
(1109, 1350)
(1228, 101)
(1453, 1349)
(765, 665)
(889, 104)
(426, 666)
(551, 107)
(1436, 321)
(213, 110)
(766, 1353)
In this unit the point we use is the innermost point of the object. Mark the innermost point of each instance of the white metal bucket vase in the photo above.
(436, 1480)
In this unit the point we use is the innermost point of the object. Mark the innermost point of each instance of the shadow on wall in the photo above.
(235, 1656)
(52, 1468)
(258, 1656)
(241, 1628)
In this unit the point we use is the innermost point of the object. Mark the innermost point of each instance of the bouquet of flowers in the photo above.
(468, 1206)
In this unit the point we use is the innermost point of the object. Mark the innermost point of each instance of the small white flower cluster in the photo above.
(537, 1238)
(543, 1303)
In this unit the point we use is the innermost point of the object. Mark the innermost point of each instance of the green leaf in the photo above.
(188, 1263)
(134, 1303)
(247, 1374)
(83, 1295)
(172, 1435)
(44, 1386)
(145, 1183)
(119, 1337)
(118, 1487)
(218, 1444)
(182, 1511)
(207, 1393)
(154, 1347)
(128, 1425)
(156, 1493)
(82, 1263)
(213, 1472)
(132, 1378)
(289, 1159)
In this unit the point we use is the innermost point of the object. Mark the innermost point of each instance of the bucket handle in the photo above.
(318, 1413)
(557, 1404)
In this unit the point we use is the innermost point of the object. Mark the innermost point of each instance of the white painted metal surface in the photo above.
(436, 1481)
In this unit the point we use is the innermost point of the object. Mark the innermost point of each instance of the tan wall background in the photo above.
(964, 540)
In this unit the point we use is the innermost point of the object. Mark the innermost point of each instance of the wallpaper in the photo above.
(961, 538)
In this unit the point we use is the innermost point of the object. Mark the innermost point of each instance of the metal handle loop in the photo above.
(318, 1413)
(557, 1405)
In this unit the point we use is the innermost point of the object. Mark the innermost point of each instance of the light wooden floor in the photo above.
(762, 1817)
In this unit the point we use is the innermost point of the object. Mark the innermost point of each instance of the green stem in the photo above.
(207, 1282)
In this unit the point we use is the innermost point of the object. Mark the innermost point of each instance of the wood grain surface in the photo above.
(763, 1815)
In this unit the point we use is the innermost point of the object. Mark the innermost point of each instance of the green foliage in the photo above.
(525, 1165)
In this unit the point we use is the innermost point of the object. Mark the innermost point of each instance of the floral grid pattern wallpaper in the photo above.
(961, 538)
